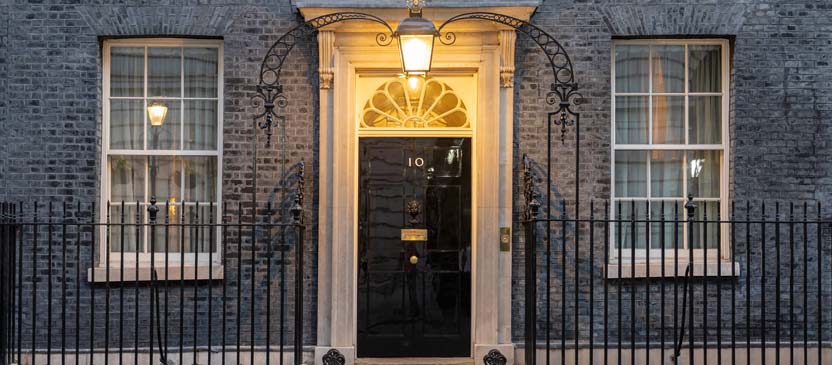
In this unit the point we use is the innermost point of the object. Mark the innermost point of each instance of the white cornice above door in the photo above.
(400, 3)
(437, 11)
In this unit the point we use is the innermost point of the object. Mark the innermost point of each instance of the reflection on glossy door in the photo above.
(414, 278)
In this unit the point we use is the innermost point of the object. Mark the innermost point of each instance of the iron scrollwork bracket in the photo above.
(564, 90)
(272, 100)
(566, 96)
(269, 98)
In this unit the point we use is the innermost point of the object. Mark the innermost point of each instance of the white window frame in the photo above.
(173, 259)
(625, 256)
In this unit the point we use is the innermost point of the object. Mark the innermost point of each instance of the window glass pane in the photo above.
(164, 67)
(704, 168)
(666, 174)
(126, 120)
(668, 69)
(668, 119)
(631, 68)
(427, 103)
(706, 223)
(704, 120)
(705, 68)
(200, 72)
(631, 173)
(632, 225)
(200, 179)
(671, 236)
(165, 178)
(123, 229)
(127, 178)
(200, 124)
(197, 234)
(167, 235)
(127, 71)
(166, 136)
(631, 119)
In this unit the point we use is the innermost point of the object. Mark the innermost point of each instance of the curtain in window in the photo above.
(668, 63)
(705, 76)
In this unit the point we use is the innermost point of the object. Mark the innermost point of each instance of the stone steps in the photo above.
(415, 361)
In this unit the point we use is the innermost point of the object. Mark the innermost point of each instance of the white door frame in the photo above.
(491, 187)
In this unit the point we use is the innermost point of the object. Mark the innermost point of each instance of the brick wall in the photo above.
(52, 138)
(781, 102)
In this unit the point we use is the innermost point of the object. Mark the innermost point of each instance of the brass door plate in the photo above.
(414, 234)
(505, 239)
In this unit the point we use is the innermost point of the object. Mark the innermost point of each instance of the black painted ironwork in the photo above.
(563, 91)
(269, 98)
(333, 357)
(494, 357)
(153, 312)
(699, 310)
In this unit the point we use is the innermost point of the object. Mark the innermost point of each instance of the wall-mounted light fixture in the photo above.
(415, 36)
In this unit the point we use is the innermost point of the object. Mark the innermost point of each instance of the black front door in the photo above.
(414, 243)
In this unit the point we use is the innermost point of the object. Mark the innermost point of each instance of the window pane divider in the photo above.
(669, 147)
(164, 153)
(164, 98)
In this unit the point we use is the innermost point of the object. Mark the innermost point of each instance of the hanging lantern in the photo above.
(415, 36)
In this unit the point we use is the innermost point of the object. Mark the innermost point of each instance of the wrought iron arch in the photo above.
(563, 91)
(269, 91)
(563, 94)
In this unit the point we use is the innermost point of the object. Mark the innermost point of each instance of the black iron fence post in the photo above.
(531, 283)
(690, 207)
(297, 220)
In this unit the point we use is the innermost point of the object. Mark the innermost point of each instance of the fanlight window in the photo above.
(414, 103)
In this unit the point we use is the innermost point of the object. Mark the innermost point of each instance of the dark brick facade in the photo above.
(781, 104)
(50, 98)
(51, 52)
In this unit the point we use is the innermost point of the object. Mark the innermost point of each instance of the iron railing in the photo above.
(758, 295)
(213, 285)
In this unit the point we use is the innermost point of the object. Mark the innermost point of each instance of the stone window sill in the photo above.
(174, 273)
(709, 269)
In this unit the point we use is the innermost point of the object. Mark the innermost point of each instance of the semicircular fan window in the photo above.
(414, 103)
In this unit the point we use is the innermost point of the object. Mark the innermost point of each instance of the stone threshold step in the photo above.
(415, 361)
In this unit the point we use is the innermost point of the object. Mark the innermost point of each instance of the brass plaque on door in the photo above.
(414, 234)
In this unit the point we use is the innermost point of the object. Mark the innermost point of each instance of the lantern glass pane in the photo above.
(416, 52)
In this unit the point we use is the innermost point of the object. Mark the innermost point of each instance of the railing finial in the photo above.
(690, 207)
(152, 210)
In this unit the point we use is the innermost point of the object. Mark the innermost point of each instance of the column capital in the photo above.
(507, 42)
(326, 45)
